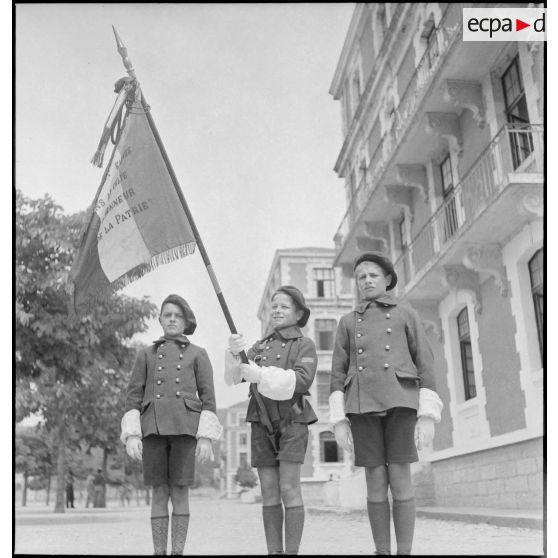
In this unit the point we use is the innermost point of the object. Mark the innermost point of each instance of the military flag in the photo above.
(136, 221)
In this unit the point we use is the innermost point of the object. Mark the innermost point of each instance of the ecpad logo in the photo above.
(504, 24)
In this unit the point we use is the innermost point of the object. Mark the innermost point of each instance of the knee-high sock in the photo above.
(379, 516)
(160, 532)
(404, 523)
(179, 530)
(273, 527)
(294, 524)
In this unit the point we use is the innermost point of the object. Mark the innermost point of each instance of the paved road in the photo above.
(234, 528)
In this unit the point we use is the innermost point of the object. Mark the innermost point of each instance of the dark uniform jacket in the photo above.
(166, 381)
(286, 348)
(381, 357)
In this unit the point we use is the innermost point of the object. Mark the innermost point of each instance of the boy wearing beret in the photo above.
(170, 419)
(382, 397)
(283, 365)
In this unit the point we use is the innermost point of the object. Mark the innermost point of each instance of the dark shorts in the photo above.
(169, 460)
(379, 440)
(292, 445)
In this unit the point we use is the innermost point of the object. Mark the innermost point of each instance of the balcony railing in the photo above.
(423, 75)
(516, 148)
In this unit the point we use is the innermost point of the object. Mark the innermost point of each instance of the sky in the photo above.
(239, 94)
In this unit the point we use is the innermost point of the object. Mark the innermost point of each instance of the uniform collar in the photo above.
(385, 300)
(289, 332)
(182, 339)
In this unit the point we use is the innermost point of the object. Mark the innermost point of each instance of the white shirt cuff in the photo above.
(430, 405)
(209, 426)
(130, 425)
(277, 383)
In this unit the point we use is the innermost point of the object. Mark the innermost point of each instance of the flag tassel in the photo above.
(112, 120)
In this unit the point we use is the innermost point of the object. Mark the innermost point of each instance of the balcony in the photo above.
(405, 114)
(495, 195)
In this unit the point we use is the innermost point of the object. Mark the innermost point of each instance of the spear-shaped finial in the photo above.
(123, 51)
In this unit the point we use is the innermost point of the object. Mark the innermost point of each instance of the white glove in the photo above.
(237, 343)
(134, 447)
(343, 435)
(204, 450)
(232, 369)
(251, 372)
(424, 432)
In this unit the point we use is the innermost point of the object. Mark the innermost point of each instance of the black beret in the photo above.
(190, 319)
(383, 261)
(298, 297)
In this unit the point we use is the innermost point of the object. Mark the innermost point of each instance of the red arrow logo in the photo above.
(519, 25)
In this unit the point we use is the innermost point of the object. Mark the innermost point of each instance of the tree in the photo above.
(245, 477)
(59, 361)
(32, 457)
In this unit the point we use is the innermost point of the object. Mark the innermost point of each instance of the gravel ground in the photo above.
(233, 528)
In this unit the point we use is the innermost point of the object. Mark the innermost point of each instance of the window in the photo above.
(381, 25)
(450, 211)
(516, 113)
(325, 282)
(466, 354)
(329, 450)
(536, 273)
(402, 229)
(243, 458)
(243, 439)
(325, 334)
(322, 388)
(432, 49)
(356, 90)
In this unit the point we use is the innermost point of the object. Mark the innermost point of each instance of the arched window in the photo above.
(536, 274)
(466, 351)
(329, 450)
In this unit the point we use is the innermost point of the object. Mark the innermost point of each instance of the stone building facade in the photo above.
(443, 165)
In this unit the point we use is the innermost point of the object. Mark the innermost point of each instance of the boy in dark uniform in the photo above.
(287, 366)
(170, 419)
(382, 379)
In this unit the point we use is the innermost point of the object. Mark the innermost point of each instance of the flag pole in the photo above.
(123, 51)
(264, 416)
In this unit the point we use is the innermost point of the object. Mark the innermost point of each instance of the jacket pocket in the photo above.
(348, 379)
(193, 405)
(406, 375)
(144, 406)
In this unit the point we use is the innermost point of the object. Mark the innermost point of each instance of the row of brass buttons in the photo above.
(158, 396)
(178, 367)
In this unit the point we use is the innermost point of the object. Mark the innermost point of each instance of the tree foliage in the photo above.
(245, 477)
(71, 371)
(33, 456)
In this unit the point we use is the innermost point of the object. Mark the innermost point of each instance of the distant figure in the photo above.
(70, 490)
(90, 491)
(124, 493)
(99, 490)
